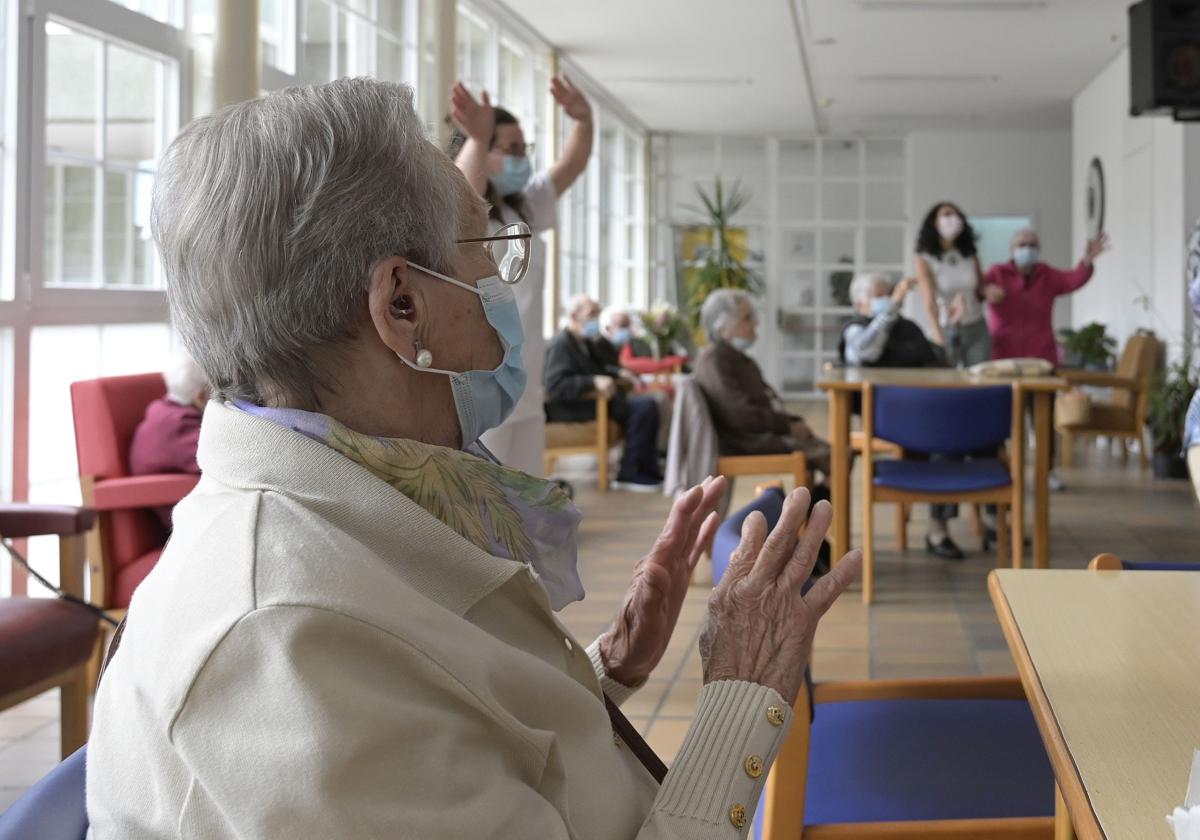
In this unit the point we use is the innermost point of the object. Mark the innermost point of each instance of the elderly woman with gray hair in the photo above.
(749, 417)
(352, 631)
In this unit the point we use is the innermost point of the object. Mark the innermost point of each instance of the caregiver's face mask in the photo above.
(484, 399)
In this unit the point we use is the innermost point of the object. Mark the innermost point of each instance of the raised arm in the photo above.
(477, 120)
(929, 295)
(578, 147)
(1066, 282)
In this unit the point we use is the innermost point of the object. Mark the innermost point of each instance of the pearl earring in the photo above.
(424, 357)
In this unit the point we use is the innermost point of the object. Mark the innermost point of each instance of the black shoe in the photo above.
(945, 548)
(990, 538)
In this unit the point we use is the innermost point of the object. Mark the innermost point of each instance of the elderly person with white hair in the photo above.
(352, 631)
(165, 440)
(581, 367)
(1020, 295)
(878, 335)
(749, 417)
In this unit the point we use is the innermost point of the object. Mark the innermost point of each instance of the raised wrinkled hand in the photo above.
(760, 626)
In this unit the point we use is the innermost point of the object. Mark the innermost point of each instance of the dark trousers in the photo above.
(638, 416)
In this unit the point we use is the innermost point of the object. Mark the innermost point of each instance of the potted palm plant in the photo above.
(1089, 347)
(721, 265)
(1170, 396)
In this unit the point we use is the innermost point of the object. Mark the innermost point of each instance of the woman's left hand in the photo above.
(635, 643)
(571, 99)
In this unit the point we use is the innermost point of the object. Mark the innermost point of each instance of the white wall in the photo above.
(1011, 173)
(1148, 208)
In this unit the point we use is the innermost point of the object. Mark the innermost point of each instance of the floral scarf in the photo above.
(503, 511)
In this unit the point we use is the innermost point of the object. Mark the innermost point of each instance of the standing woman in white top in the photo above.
(490, 150)
(950, 280)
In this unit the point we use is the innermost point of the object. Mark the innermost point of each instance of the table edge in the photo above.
(1066, 773)
(1039, 385)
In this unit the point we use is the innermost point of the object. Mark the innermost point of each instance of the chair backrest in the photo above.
(1137, 363)
(769, 503)
(107, 411)
(55, 808)
(951, 421)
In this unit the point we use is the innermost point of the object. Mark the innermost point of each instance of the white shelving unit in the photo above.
(821, 210)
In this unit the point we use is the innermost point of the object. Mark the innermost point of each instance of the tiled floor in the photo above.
(931, 618)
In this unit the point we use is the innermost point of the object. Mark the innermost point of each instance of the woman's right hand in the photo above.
(477, 120)
(760, 626)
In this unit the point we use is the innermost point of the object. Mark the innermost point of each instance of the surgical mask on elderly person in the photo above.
(740, 342)
(485, 398)
(950, 226)
(1025, 255)
(591, 328)
(881, 305)
(513, 177)
(620, 336)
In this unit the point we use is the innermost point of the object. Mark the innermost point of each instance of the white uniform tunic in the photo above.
(521, 441)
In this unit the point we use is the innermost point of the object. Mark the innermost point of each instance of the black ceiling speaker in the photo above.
(1164, 58)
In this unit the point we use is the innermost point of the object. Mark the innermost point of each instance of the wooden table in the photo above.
(843, 384)
(1109, 663)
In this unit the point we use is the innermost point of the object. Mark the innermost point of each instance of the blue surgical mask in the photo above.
(1025, 255)
(485, 398)
(591, 329)
(513, 177)
(740, 342)
(620, 336)
(880, 305)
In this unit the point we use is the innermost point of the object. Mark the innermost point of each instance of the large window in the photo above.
(359, 38)
(108, 116)
(603, 224)
(818, 211)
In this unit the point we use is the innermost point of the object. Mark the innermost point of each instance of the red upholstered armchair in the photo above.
(128, 537)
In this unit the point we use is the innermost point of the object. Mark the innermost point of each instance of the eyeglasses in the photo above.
(508, 248)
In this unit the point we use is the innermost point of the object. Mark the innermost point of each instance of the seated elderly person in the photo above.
(878, 335)
(166, 439)
(748, 415)
(580, 363)
(351, 632)
(616, 324)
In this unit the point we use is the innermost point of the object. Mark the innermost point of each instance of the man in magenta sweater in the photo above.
(166, 439)
(1020, 295)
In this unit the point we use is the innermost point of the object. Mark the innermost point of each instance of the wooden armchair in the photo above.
(589, 437)
(1123, 415)
(910, 760)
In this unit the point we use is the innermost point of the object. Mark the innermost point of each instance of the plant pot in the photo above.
(1169, 465)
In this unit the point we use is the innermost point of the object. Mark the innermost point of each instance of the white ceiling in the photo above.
(876, 65)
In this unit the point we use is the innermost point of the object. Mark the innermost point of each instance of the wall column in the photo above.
(237, 54)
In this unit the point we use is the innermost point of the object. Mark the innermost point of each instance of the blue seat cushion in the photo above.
(54, 808)
(942, 476)
(906, 760)
(769, 503)
(1153, 566)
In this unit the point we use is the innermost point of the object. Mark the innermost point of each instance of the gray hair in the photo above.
(863, 286)
(608, 315)
(577, 302)
(270, 215)
(185, 379)
(720, 310)
(1017, 234)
